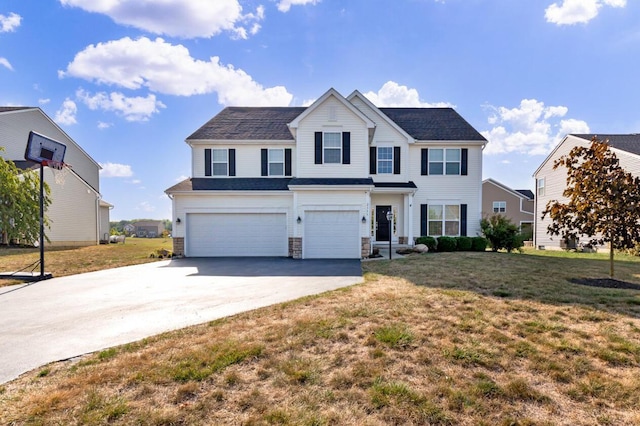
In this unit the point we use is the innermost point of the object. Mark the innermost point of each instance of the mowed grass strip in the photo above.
(440, 339)
(62, 261)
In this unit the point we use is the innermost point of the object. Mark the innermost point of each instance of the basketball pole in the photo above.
(41, 221)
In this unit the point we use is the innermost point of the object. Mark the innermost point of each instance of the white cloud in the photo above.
(531, 128)
(44, 101)
(9, 23)
(181, 178)
(578, 11)
(132, 109)
(103, 125)
(285, 5)
(180, 18)
(170, 69)
(145, 206)
(115, 170)
(5, 63)
(67, 113)
(393, 95)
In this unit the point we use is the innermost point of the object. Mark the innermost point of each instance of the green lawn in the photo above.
(442, 338)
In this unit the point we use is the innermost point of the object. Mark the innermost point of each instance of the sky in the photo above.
(130, 80)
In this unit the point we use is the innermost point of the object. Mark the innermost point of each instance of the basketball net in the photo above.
(60, 170)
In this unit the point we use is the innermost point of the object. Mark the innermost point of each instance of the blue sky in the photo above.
(129, 80)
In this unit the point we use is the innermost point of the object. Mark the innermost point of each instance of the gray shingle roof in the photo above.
(249, 123)
(13, 108)
(437, 124)
(526, 192)
(270, 123)
(409, 184)
(629, 143)
(331, 181)
(231, 184)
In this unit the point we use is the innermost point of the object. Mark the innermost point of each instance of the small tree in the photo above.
(20, 203)
(501, 233)
(603, 200)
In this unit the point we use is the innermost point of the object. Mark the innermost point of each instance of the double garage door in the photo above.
(236, 234)
(327, 234)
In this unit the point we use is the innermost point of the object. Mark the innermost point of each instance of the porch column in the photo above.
(408, 206)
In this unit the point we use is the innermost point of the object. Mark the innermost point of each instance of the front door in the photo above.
(382, 224)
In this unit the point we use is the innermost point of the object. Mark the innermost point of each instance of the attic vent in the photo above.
(332, 113)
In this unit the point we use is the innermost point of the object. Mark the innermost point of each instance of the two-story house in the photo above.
(551, 183)
(321, 181)
(78, 215)
(515, 204)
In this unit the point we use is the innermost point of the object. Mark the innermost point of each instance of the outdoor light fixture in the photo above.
(299, 220)
(178, 220)
(364, 219)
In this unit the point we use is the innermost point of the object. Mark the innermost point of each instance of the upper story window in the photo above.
(499, 206)
(276, 162)
(385, 160)
(220, 158)
(444, 161)
(332, 147)
(541, 187)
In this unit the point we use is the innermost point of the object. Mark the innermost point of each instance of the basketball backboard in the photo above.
(42, 149)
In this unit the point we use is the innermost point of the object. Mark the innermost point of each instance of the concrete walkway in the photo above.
(66, 317)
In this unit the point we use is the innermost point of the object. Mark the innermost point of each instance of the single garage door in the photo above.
(332, 235)
(236, 234)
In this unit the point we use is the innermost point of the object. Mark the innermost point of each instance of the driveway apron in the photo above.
(62, 318)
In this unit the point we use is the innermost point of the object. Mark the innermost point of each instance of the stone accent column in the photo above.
(295, 247)
(365, 247)
(403, 240)
(178, 246)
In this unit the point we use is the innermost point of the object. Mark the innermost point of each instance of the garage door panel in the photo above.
(236, 234)
(332, 235)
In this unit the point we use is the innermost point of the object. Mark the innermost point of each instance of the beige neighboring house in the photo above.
(78, 215)
(517, 205)
(148, 228)
(551, 183)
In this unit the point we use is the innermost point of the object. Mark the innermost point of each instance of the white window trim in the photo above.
(225, 162)
(499, 206)
(325, 148)
(390, 172)
(269, 162)
(444, 162)
(444, 220)
(541, 187)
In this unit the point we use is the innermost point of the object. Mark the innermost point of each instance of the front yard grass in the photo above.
(62, 261)
(441, 339)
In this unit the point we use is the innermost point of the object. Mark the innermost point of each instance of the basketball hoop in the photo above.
(59, 169)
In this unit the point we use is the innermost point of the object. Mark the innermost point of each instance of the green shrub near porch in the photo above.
(446, 244)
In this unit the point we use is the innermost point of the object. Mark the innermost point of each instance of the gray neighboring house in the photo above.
(148, 228)
(551, 183)
(515, 204)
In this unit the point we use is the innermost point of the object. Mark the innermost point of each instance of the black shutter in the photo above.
(463, 220)
(372, 160)
(287, 162)
(207, 162)
(396, 160)
(424, 163)
(423, 219)
(318, 137)
(264, 157)
(232, 162)
(346, 147)
(463, 165)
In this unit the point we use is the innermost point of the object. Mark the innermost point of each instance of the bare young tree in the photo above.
(603, 199)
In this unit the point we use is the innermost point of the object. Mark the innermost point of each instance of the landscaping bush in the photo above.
(479, 244)
(446, 244)
(501, 233)
(430, 242)
(463, 243)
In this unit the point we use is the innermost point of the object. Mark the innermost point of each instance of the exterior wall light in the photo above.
(178, 220)
(299, 220)
(364, 219)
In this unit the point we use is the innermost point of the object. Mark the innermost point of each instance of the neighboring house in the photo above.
(76, 215)
(105, 228)
(148, 228)
(551, 183)
(129, 229)
(516, 205)
(318, 181)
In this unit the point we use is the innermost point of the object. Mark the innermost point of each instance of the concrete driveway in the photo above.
(66, 317)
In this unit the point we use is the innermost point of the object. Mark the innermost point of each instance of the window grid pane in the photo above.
(332, 140)
(276, 169)
(451, 228)
(452, 212)
(435, 228)
(453, 168)
(219, 155)
(276, 155)
(219, 169)
(332, 156)
(435, 212)
(435, 168)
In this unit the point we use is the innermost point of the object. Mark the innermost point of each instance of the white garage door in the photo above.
(236, 234)
(332, 235)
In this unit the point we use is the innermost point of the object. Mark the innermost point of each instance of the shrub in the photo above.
(501, 233)
(479, 244)
(463, 243)
(430, 242)
(446, 244)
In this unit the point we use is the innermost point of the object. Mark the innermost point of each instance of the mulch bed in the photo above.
(605, 283)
